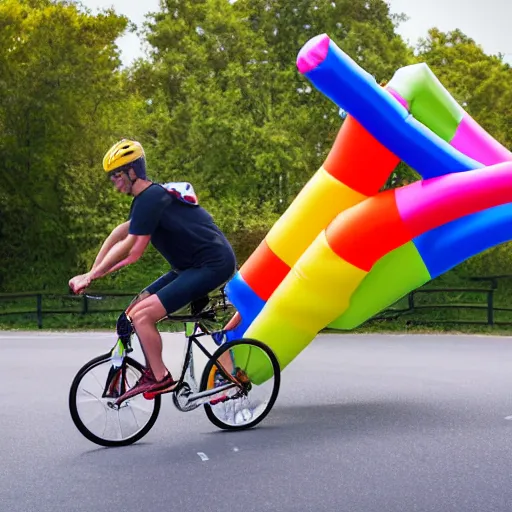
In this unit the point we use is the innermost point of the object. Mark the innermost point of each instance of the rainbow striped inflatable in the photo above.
(343, 251)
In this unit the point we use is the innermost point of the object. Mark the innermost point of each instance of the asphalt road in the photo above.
(371, 423)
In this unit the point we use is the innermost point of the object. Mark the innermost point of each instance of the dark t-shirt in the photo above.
(184, 234)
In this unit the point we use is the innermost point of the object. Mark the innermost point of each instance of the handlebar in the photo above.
(87, 295)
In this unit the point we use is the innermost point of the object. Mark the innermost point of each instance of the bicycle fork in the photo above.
(115, 385)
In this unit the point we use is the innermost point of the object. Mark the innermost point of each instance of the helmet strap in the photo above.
(128, 174)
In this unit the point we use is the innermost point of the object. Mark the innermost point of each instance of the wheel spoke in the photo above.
(117, 427)
(138, 407)
(93, 398)
(134, 417)
(96, 416)
(97, 380)
(257, 370)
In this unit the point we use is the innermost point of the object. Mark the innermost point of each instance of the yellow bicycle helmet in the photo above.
(124, 155)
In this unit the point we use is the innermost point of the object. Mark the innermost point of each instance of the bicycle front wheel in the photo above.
(91, 397)
(255, 366)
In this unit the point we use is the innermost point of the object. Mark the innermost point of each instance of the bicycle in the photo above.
(238, 387)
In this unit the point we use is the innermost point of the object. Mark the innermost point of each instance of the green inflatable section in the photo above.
(429, 102)
(392, 277)
(254, 362)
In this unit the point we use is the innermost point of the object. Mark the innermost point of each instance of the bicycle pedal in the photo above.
(148, 395)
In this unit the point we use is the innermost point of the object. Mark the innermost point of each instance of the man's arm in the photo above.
(118, 234)
(123, 253)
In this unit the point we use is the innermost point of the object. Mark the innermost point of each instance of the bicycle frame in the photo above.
(186, 395)
(187, 387)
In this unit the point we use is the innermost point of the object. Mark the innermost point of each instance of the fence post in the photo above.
(490, 307)
(39, 299)
(85, 305)
(410, 299)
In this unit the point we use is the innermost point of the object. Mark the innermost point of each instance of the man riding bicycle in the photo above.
(199, 254)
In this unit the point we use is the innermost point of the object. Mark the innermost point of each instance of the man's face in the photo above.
(121, 182)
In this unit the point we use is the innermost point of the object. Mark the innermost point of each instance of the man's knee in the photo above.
(140, 297)
(142, 316)
(147, 312)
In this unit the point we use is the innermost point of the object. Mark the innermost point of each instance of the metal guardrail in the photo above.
(489, 305)
(389, 313)
(393, 313)
(39, 311)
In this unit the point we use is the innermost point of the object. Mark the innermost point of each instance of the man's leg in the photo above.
(176, 291)
(144, 316)
(179, 291)
(124, 322)
(182, 289)
(124, 325)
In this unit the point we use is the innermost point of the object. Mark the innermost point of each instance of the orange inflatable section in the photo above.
(358, 160)
(264, 271)
(368, 231)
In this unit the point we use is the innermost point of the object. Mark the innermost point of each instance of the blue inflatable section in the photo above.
(247, 303)
(355, 91)
(450, 244)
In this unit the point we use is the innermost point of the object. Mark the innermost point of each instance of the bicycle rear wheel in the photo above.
(256, 367)
(91, 407)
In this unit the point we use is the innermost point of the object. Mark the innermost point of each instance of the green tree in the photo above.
(61, 99)
(480, 83)
(243, 125)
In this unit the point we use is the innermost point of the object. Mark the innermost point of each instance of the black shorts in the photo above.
(178, 289)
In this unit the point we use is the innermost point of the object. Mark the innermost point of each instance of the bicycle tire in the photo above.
(206, 380)
(75, 415)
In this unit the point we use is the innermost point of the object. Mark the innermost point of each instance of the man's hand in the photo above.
(79, 283)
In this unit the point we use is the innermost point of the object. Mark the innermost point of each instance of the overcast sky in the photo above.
(488, 22)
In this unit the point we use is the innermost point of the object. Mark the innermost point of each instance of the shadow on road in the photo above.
(304, 427)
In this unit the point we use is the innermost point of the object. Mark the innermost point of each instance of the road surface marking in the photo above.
(203, 456)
